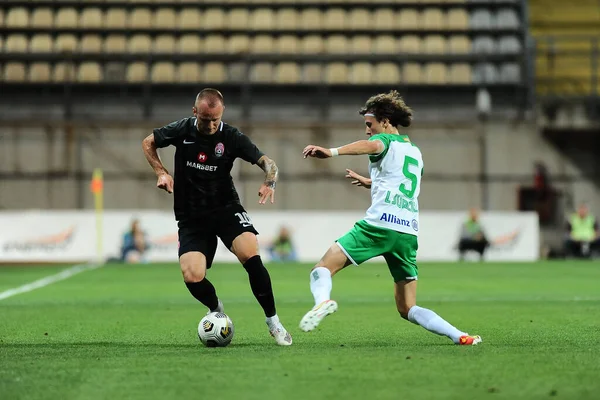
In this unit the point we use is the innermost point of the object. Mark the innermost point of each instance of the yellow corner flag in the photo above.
(97, 188)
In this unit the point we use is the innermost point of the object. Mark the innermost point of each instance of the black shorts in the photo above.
(200, 234)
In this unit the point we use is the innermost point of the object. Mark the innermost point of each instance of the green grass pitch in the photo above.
(129, 332)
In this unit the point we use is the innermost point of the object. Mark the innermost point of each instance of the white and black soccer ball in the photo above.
(215, 330)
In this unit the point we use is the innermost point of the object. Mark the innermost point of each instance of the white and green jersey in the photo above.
(396, 182)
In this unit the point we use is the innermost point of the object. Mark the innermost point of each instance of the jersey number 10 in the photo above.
(244, 219)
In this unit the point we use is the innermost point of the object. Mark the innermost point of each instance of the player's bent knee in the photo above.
(193, 267)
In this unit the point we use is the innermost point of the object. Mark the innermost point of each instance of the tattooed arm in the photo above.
(267, 189)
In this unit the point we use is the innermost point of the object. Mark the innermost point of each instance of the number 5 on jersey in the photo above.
(408, 161)
(244, 219)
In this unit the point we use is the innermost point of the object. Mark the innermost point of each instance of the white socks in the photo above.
(433, 323)
(320, 284)
(273, 321)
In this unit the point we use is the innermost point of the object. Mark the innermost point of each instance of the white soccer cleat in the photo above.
(313, 318)
(220, 308)
(281, 336)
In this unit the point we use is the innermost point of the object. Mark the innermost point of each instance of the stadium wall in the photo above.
(39, 168)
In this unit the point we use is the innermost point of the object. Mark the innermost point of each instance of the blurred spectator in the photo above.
(282, 248)
(583, 240)
(134, 244)
(473, 237)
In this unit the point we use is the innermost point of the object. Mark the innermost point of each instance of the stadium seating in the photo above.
(564, 36)
(306, 42)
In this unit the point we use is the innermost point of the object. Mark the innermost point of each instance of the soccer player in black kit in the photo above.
(207, 205)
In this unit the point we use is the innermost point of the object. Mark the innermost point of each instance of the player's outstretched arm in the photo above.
(165, 181)
(353, 149)
(267, 189)
(358, 180)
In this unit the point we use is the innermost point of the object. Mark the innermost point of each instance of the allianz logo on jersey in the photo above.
(393, 219)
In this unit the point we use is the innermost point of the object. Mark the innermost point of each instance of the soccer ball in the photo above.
(215, 330)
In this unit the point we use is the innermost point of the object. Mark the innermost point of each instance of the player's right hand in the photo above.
(165, 182)
(358, 180)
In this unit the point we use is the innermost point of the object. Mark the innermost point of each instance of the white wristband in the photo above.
(334, 152)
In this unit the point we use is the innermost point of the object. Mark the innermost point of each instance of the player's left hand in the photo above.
(316, 151)
(265, 192)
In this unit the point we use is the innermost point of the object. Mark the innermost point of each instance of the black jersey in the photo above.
(203, 163)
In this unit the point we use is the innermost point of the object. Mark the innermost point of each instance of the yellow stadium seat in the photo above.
(410, 44)
(385, 44)
(115, 18)
(459, 44)
(262, 19)
(386, 73)
(457, 19)
(287, 44)
(115, 44)
(17, 17)
(66, 43)
(66, 18)
(361, 73)
(337, 44)
(460, 74)
(63, 72)
(262, 44)
(360, 19)
(41, 43)
(213, 72)
(137, 72)
(190, 18)
(239, 18)
(434, 44)
(261, 73)
(139, 44)
(91, 44)
(312, 44)
(214, 44)
(89, 72)
(91, 18)
(287, 18)
(164, 44)
(287, 73)
(384, 19)
(39, 72)
(435, 73)
(409, 19)
(412, 73)
(238, 44)
(41, 18)
(312, 73)
(188, 72)
(361, 45)
(311, 18)
(140, 18)
(335, 19)
(189, 44)
(336, 73)
(16, 44)
(1, 24)
(1, 46)
(14, 72)
(213, 18)
(433, 18)
(165, 18)
(163, 72)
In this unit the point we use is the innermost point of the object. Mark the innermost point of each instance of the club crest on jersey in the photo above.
(219, 149)
(202, 157)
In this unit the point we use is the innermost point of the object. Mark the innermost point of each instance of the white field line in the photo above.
(48, 280)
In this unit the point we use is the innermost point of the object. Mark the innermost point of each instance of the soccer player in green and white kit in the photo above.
(390, 227)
